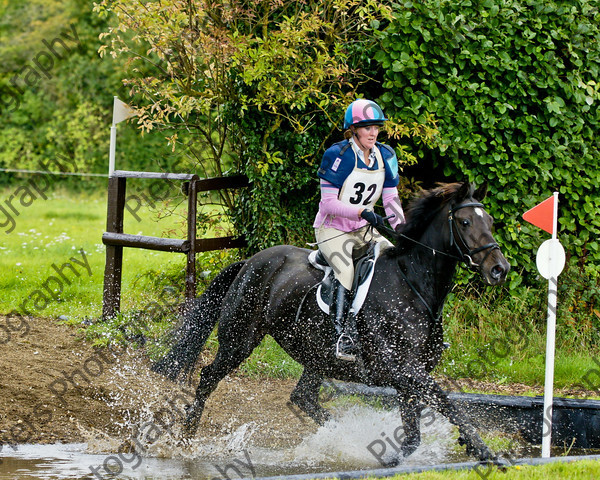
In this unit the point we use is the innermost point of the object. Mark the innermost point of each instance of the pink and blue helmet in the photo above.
(363, 112)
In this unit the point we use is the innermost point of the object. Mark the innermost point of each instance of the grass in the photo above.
(48, 234)
(580, 470)
(53, 232)
(494, 336)
(269, 359)
(576, 470)
(501, 337)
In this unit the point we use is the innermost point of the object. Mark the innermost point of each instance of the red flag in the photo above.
(542, 215)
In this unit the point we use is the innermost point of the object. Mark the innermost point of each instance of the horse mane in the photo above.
(424, 207)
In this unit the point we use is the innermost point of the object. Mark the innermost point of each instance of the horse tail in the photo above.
(198, 321)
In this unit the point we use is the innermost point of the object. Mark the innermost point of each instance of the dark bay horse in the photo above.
(399, 326)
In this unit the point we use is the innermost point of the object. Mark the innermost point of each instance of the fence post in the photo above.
(115, 239)
(190, 273)
(114, 253)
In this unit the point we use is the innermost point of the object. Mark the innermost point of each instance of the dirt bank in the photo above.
(56, 388)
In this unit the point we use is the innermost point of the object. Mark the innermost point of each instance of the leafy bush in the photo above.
(63, 115)
(499, 335)
(512, 87)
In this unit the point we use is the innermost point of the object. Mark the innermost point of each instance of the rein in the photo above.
(370, 228)
(467, 258)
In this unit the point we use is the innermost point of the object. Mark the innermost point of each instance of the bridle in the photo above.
(467, 257)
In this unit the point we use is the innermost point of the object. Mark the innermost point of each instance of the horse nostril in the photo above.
(498, 271)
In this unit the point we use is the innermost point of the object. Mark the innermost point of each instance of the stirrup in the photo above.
(349, 357)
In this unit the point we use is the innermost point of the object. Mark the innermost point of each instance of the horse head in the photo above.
(452, 220)
(470, 228)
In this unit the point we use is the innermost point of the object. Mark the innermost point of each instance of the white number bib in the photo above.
(362, 188)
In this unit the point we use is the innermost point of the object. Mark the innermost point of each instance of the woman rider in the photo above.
(354, 174)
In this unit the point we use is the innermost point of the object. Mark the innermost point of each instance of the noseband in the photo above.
(465, 253)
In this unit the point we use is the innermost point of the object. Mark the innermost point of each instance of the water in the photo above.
(360, 438)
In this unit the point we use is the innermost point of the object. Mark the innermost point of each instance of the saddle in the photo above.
(364, 262)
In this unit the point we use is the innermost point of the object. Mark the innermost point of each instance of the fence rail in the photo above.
(115, 239)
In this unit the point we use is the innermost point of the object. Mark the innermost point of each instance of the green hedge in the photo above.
(512, 85)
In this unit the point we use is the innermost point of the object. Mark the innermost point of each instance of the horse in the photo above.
(399, 325)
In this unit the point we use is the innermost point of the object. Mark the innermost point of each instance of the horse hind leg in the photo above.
(306, 397)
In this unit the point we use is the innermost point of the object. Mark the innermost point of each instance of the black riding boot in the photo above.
(345, 324)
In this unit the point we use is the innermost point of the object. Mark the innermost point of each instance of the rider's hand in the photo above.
(374, 219)
(399, 228)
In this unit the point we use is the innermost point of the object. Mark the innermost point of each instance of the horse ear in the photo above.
(481, 192)
(463, 191)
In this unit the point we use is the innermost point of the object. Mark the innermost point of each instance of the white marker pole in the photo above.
(121, 111)
(113, 147)
(550, 346)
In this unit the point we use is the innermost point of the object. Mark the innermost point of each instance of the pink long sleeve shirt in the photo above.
(335, 214)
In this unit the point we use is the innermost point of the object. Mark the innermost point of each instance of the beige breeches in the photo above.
(338, 247)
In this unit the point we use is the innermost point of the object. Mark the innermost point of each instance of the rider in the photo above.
(354, 174)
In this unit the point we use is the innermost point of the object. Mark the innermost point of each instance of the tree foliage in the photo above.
(499, 91)
(56, 98)
(256, 87)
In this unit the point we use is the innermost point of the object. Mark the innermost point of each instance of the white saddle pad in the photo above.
(362, 290)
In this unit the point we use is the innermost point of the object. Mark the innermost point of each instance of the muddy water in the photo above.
(72, 461)
(360, 438)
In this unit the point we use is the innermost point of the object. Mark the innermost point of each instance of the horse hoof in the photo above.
(500, 463)
(182, 441)
(408, 449)
(476, 448)
(192, 420)
(483, 453)
(319, 414)
(190, 427)
(394, 462)
(487, 456)
(322, 416)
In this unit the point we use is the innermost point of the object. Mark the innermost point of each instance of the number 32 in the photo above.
(359, 191)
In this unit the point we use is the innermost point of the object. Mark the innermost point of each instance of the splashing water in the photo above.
(358, 437)
(364, 437)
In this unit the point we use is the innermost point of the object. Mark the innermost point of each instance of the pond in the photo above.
(360, 438)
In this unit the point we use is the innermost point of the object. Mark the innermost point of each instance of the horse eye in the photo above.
(466, 223)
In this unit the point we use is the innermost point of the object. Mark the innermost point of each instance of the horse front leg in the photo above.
(306, 397)
(410, 410)
(424, 387)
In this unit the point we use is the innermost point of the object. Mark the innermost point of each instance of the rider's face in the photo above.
(367, 136)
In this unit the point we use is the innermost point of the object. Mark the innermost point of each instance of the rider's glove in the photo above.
(373, 219)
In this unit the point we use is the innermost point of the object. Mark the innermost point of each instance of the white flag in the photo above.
(122, 111)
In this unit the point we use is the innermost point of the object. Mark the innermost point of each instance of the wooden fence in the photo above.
(115, 239)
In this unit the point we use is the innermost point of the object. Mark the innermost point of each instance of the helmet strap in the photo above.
(354, 134)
